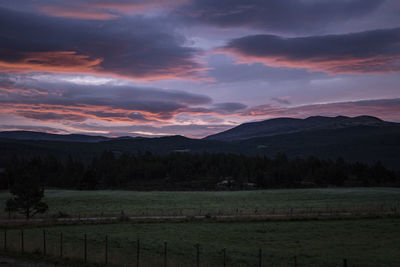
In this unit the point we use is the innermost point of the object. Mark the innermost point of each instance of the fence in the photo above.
(372, 209)
(16, 241)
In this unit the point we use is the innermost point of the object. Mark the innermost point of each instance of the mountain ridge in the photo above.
(368, 143)
(42, 136)
(285, 125)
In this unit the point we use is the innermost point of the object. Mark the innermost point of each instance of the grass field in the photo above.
(364, 242)
(111, 203)
(368, 242)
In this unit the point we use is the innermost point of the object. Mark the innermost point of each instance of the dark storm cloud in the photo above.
(364, 52)
(135, 46)
(277, 15)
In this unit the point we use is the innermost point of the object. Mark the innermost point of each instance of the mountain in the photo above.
(359, 143)
(290, 125)
(365, 139)
(29, 135)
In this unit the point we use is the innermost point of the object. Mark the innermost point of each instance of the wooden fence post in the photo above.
(165, 253)
(44, 242)
(198, 255)
(295, 261)
(138, 253)
(5, 239)
(260, 258)
(224, 253)
(344, 262)
(22, 240)
(85, 248)
(106, 252)
(61, 245)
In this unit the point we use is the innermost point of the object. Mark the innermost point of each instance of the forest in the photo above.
(191, 171)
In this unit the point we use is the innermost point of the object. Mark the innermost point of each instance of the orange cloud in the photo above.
(77, 12)
(58, 61)
(375, 51)
(138, 7)
(106, 113)
(78, 113)
(82, 112)
(72, 62)
(339, 65)
(106, 10)
(133, 47)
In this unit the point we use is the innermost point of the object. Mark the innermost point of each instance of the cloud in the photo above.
(77, 12)
(61, 100)
(132, 47)
(58, 61)
(137, 6)
(222, 67)
(281, 100)
(117, 110)
(94, 9)
(50, 116)
(375, 51)
(277, 15)
(228, 107)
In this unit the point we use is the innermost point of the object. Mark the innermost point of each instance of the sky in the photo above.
(194, 67)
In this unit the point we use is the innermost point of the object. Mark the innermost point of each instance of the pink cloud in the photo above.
(106, 10)
(375, 51)
(77, 12)
(57, 61)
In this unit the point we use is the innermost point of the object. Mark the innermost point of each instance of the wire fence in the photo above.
(101, 249)
(148, 213)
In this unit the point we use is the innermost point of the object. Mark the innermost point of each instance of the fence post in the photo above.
(344, 262)
(22, 240)
(224, 253)
(5, 239)
(44, 242)
(61, 245)
(106, 252)
(165, 253)
(295, 261)
(85, 248)
(198, 255)
(260, 258)
(138, 253)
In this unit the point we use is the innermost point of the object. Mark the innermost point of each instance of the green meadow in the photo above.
(362, 241)
(111, 203)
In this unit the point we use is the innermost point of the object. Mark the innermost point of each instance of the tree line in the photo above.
(190, 171)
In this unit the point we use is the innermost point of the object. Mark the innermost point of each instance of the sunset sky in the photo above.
(194, 67)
